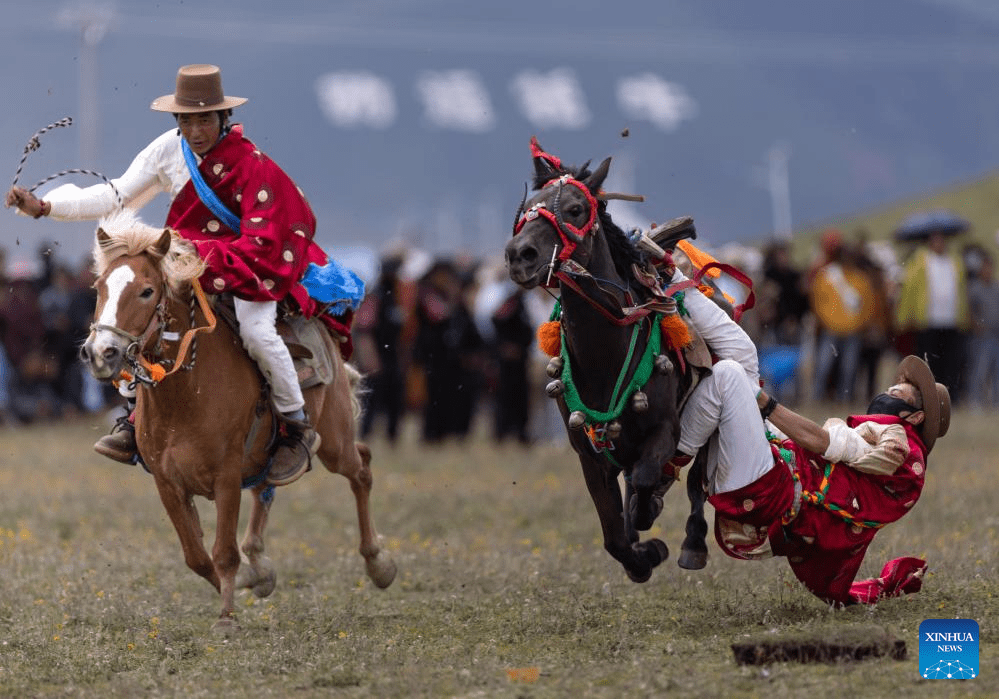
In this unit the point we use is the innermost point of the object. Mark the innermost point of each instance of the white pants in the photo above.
(722, 413)
(267, 349)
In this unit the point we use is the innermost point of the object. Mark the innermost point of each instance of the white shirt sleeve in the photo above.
(155, 169)
(724, 337)
(869, 447)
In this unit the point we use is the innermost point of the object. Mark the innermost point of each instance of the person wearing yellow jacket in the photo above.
(933, 304)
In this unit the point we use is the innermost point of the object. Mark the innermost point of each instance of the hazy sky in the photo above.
(410, 120)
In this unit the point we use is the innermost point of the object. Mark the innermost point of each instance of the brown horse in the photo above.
(205, 427)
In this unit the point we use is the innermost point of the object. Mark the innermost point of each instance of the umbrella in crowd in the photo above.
(920, 225)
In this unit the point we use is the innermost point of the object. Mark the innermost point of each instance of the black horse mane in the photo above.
(623, 251)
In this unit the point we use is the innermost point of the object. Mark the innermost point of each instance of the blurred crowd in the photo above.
(826, 329)
(45, 312)
(449, 342)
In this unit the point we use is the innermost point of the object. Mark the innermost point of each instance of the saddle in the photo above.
(304, 338)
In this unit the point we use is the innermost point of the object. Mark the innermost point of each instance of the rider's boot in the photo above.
(295, 449)
(119, 445)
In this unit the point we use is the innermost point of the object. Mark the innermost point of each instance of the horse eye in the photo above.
(146, 293)
(576, 210)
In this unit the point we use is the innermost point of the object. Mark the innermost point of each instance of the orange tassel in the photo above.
(676, 332)
(157, 372)
(698, 257)
(706, 290)
(550, 338)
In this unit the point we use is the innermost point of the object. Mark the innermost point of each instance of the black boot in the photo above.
(293, 456)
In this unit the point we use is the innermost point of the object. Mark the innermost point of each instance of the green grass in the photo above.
(504, 589)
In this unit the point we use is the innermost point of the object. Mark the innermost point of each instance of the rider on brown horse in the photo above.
(250, 223)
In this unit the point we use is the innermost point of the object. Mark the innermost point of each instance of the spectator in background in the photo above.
(840, 294)
(513, 339)
(983, 307)
(876, 331)
(784, 287)
(446, 342)
(55, 302)
(378, 328)
(6, 368)
(781, 305)
(933, 303)
(22, 333)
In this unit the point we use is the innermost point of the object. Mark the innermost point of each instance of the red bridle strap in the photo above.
(570, 234)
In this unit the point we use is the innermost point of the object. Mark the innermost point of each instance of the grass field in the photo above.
(504, 589)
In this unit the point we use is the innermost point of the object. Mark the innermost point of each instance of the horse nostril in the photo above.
(84, 354)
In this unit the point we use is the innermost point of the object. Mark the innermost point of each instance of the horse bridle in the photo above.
(149, 373)
(571, 235)
(138, 343)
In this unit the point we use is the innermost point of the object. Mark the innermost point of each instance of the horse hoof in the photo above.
(635, 578)
(265, 586)
(662, 550)
(225, 626)
(651, 549)
(692, 560)
(261, 579)
(381, 569)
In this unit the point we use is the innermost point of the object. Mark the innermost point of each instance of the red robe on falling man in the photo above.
(267, 259)
(825, 534)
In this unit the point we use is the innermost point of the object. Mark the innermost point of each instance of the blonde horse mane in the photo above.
(129, 236)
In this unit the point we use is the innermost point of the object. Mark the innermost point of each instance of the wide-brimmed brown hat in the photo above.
(199, 89)
(936, 398)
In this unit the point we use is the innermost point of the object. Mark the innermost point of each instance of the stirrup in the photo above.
(306, 439)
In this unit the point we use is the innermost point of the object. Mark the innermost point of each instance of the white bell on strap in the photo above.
(555, 388)
(576, 419)
(613, 429)
(639, 402)
(663, 364)
(554, 368)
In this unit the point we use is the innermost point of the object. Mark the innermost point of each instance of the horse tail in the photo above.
(356, 382)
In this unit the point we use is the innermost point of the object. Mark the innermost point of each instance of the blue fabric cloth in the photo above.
(333, 283)
(205, 193)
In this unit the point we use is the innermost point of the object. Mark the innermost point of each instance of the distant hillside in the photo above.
(977, 201)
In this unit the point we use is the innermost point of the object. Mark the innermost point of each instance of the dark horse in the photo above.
(609, 318)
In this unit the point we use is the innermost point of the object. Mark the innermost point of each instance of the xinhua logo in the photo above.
(948, 649)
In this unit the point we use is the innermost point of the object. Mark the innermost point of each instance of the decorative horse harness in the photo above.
(602, 427)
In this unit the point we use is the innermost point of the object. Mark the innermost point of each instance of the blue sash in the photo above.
(334, 284)
(205, 193)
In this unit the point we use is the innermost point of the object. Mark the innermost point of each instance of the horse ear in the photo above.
(102, 236)
(163, 244)
(546, 165)
(595, 180)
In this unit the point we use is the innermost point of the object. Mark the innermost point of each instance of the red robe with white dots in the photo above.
(266, 260)
(838, 516)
